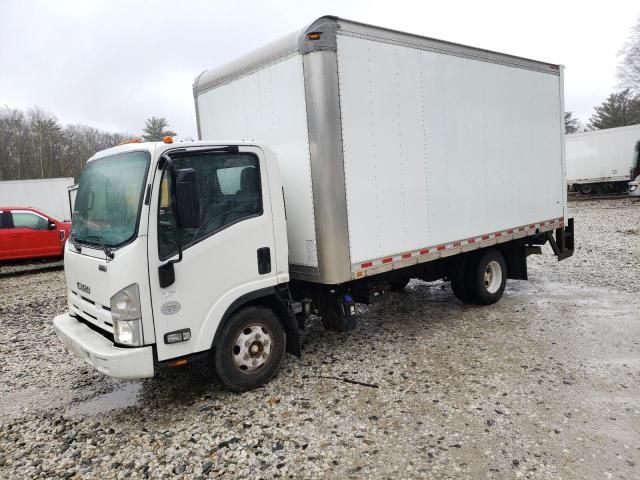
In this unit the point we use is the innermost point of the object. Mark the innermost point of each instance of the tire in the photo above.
(398, 284)
(239, 353)
(487, 277)
(460, 281)
(586, 189)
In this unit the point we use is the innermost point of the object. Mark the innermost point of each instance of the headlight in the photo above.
(633, 187)
(126, 316)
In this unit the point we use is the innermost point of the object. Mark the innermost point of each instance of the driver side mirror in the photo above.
(52, 225)
(187, 198)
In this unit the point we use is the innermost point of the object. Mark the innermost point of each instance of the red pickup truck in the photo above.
(29, 233)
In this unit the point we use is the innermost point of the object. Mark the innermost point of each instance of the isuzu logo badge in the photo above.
(84, 288)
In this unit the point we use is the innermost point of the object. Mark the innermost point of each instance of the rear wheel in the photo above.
(460, 282)
(398, 284)
(488, 277)
(586, 189)
(250, 349)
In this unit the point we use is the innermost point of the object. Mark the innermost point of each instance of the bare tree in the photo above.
(13, 143)
(629, 67)
(35, 145)
(46, 139)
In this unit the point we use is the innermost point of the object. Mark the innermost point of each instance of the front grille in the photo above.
(95, 328)
(88, 300)
(91, 311)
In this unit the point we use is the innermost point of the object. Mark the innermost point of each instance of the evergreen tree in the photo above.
(154, 130)
(619, 109)
(571, 123)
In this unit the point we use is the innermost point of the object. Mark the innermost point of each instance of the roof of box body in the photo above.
(329, 26)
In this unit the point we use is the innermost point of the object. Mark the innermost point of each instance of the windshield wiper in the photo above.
(72, 237)
(109, 253)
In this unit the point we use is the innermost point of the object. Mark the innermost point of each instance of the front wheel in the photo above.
(488, 277)
(250, 349)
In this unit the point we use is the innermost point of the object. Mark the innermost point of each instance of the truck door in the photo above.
(32, 237)
(228, 255)
(6, 225)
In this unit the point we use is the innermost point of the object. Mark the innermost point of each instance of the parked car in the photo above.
(26, 232)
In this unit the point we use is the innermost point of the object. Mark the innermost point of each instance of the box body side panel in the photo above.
(604, 155)
(439, 148)
(49, 195)
(268, 106)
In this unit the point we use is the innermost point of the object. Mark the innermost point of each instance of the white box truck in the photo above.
(603, 161)
(51, 195)
(361, 158)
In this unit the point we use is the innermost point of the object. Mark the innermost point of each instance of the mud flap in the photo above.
(563, 244)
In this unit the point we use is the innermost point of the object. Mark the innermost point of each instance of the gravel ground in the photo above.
(544, 384)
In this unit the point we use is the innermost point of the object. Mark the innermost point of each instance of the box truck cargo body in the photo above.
(390, 144)
(49, 195)
(603, 161)
(355, 158)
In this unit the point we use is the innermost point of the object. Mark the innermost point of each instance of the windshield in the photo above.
(108, 200)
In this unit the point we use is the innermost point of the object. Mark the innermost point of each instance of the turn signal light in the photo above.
(177, 363)
(314, 36)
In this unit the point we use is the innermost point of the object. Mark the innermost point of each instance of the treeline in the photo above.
(34, 144)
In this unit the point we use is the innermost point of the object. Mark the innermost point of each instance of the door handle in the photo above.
(264, 260)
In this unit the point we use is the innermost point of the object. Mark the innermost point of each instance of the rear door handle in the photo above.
(264, 260)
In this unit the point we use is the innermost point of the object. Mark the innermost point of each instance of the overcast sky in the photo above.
(112, 64)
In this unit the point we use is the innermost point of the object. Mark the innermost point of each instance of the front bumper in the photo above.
(101, 353)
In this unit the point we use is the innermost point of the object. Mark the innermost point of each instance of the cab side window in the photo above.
(29, 220)
(229, 191)
(6, 220)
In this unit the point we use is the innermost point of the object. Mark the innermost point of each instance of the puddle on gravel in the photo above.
(124, 397)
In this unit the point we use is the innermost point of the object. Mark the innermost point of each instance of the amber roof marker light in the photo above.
(167, 139)
(130, 140)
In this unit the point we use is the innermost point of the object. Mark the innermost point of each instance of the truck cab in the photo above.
(178, 249)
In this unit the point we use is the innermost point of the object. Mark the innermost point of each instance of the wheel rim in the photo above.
(492, 276)
(252, 348)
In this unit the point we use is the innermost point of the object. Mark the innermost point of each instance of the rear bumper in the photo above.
(563, 244)
(100, 353)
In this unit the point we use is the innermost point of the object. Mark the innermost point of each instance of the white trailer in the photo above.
(362, 157)
(49, 195)
(603, 161)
